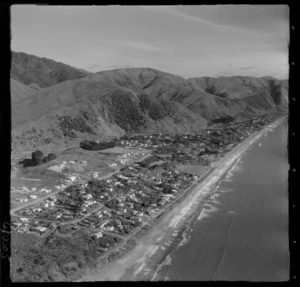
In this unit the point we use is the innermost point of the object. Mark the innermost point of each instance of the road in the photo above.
(14, 210)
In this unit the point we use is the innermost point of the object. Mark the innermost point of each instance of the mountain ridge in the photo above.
(111, 103)
(44, 72)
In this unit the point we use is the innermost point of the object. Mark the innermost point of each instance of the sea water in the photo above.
(241, 232)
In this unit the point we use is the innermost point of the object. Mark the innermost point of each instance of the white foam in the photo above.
(153, 251)
(203, 214)
(223, 190)
(184, 239)
(140, 268)
(215, 196)
(206, 186)
(167, 261)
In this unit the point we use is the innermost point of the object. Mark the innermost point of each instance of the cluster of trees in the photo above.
(107, 240)
(125, 112)
(167, 189)
(207, 151)
(147, 161)
(149, 199)
(96, 187)
(37, 158)
(153, 109)
(57, 259)
(113, 204)
(72, 199)
(71, 125)
(89, 145)
(223, 120)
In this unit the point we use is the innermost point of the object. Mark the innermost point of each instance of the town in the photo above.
(114, 207)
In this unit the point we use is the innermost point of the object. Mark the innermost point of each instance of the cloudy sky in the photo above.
(189, 41)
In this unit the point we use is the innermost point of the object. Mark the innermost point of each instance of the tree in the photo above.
(37, 157)
(51, 156)
(45, 159)
(27, 162)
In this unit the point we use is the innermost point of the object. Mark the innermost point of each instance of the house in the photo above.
(24, 219)
(98, 234)
(110, 228)
(22, 229)
(17, 224)
(40, 228)
(95, 174)
(104, 223)
(140, 213)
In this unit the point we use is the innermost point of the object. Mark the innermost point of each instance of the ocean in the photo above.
(241, 232)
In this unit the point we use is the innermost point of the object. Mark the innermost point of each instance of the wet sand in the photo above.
(152, 252)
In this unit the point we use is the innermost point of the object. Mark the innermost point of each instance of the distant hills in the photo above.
(43, 72)
(55, 104)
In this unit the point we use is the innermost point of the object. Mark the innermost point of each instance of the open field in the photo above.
(73, 161)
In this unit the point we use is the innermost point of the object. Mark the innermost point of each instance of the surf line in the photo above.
(210, 187)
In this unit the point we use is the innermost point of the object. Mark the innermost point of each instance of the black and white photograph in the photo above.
(149, 143)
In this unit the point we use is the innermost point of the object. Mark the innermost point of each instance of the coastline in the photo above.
(153, 246)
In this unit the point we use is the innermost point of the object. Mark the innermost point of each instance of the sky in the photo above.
(186, 40)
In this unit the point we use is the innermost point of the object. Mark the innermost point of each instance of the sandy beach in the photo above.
(152, 251)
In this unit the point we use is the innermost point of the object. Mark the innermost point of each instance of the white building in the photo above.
(99, 234)
(110, 228)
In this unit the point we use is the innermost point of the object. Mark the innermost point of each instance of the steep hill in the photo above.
(137, 100)
(30, 69)
(20, 91)
(94, 108)
(242, 96)
(240, 87)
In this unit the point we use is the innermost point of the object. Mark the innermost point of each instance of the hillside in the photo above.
(91, 108)
(136, 100)
(241, 96)
(240, 87)
(20, 91)
(29, 69)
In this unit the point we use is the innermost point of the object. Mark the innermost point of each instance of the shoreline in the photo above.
(151, 248)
